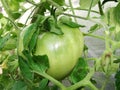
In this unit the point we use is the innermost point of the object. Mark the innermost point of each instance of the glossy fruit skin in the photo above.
(63, 51)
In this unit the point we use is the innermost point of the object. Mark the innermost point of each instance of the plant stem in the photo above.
(72, 9)
(74, 16)
(29, 16)
(95, 36)
(106, 81)
(90, 9)
(16, 27)
(31, 2)
(56, 82)
(100, 8)
(78, 8)
(84, 82)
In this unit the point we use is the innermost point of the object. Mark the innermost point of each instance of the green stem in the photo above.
(29, 16)
(74, 16)
(56, 82)
(90, 9)
(107, 40)
(95, 36)
(84, 82)
(16, 27)
(104, 83)
(100, 8)
(78, 8)
(31, 2)
(94, 59)
(72, 9)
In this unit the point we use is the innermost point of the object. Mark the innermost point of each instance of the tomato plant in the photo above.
(45, 43)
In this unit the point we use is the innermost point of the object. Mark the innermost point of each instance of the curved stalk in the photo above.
(84, 82)
(95, 36)
(78, 8)
(100, 8)
(16, 27)
(56, 82)
(72, 9)
(90, 9)
(74, 16)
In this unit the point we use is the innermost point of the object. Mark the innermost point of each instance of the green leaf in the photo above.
(108, 17)
(117, 61)
(116, 14)
(1, 31)
(60, 2)
(20, 0)
(117, 80)
(79, 72)
(3, 40)
(20, 24)
(33, 41)
(19, 85)
(13, 5)
(43, 84)
(86, 3)
(37, 63)
(16, 15)
(52, 26)
(10, 44)
(28, 34)
(1, 15)
(66, 20)
(117, 34)
(25, 69)
(93, 28)
(41, 63)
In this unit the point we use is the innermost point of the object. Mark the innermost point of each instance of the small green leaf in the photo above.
(60, 2)
(53, 27)
(80, 71)
(28, 34)
(16, 15)
(41, 62)
(19, 85)
(86, 3)
(43, 84)
(93, 28)
(20, 0)
(85, 48)
(3, 40)
(33, 41)
(117, 80)
(25, 69)
(13, 5)
(117, 61)
(66, 20)
(117, 34)
(37, 63)
(1, 15)
(116, 14)
(20, 24)
(10, 44)
(1, 31)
